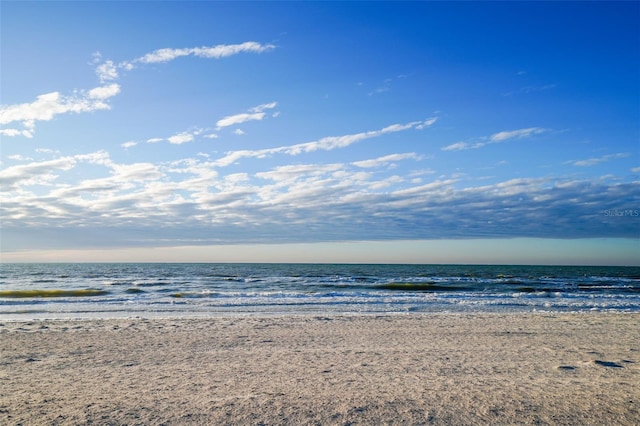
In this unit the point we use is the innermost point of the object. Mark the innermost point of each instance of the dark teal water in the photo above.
(116, 290)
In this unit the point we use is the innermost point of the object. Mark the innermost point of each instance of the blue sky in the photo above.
(447, 132)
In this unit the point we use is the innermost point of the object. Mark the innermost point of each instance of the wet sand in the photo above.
(337, 370)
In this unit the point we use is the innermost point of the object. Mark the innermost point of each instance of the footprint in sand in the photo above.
(608, 364)
(566, 367)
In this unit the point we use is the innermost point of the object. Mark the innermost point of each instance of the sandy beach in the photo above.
(338, 370)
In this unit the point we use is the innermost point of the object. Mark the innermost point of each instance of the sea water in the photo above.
(101, 290)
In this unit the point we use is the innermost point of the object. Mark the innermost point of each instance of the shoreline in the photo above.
(418, 368)
(238, 314)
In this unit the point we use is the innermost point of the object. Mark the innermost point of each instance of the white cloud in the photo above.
(135, 171)
(392, 180)
(424, 190)
(597, 160)
(216, 52)
(122, 177)
(385, 86)
(635, 170)
(495, 138)
(399, 127)
(255, 114)
(291, 173)
(238, 132)
(46, 151)
(19, 157)
(297, 202)
(416, 174)
(107, 71)
(16, 132)
(129, 144)
(104, 92)
(181, 138)
(29, 173)
(238, 119)
(47, 106)
(521, 133)
(261, 108)
(325, 144)
(458, 146)
(427, 123)
(385, 160)
(99, 157)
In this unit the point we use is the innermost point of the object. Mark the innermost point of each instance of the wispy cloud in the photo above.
(597, 160)
(254, 114)
(427, 123)
(525, 90)
(495, 138)
(19, 157)
(324, 144)
(263, 107)
(459, 146)
(215, 52)
(380, 89)
(27, 133)
(178, 138)
(385, 86)
(109, 70)
(385, 160)
(49, 105)
(516, 134)
(232, 120)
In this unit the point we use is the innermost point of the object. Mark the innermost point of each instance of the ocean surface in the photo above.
(37, 291)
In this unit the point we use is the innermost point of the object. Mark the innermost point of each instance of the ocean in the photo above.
(102, 290)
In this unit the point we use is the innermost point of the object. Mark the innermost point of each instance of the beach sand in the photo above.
(390, 369)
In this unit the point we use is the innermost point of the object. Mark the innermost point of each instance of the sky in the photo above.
(420, 132)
